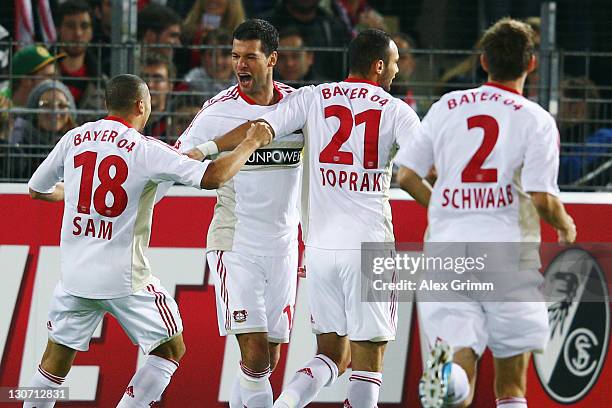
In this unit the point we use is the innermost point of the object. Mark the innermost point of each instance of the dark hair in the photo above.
(291, 31)
(123, 91)
(368, 47)
(256, 29)
(70, 8)
(156, 18)
(154, 59)
(508, 46)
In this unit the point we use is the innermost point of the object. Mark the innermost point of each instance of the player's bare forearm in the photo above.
(234, 137)
(54, 196)
(228, 141)
(226, 166)
(414, 185)
(551, 210)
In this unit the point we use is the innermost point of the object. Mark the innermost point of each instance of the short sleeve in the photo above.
(165, 163)
(416, 150)
(407, 123)
(51, 170)
(291, 112)
(541, 161)
(199, 131)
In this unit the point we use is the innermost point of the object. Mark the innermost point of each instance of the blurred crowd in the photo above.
(57, 81)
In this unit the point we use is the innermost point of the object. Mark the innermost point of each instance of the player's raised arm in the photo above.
(226, 142)
(289, 116)
(225, 167)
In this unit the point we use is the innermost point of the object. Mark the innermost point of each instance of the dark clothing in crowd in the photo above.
(322, 31)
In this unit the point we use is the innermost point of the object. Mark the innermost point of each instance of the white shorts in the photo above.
(507, 328)
(254, 293)
(149, 317)
(335, 299)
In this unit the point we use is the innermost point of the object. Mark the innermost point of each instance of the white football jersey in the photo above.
(351, 130)
(110, 174)
(257, 210)
(490, 146)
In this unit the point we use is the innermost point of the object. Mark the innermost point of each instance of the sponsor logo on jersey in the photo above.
(579, 316)
(240, 316)
(275, 157)
(49, 325)
(130, 391)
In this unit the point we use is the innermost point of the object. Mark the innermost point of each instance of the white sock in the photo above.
(306, 383)
(235, 398)
(43, 379)
(255, 388)
(363, 389)
(149, 382)
(458, 386)
(511, 402)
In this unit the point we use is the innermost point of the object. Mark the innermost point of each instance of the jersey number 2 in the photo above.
(332, 153)
(108, 184)
(473, 172)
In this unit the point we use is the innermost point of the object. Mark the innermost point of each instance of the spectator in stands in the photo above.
(102, 31)
(215, 72)
(357, 15)
(80, 69)
(158, 72)
(5, 103)
(30, 66)
(407, 65)
(209, 15)
(531, 83)
(320, 29)
(295, 67)
(585, 151)
(206, 16)
(159, 25)
(184, 108)
(44, 128)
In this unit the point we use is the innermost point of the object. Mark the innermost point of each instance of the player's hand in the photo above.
(195, 154)
(260, 133)
(567, 235)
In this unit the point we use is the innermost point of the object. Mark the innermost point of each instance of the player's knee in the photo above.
(274, 355)
(254, 350)
(341, 356)
(342, 362)
(179, 350)
(509, 389)
(173, 350)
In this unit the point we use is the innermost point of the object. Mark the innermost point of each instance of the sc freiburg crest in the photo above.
(579, 317)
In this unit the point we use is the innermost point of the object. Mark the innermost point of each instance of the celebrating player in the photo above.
(252, 240)
(492, 149)
(110, 174)
(351, 129)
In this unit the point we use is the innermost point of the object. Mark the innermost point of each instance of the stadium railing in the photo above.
(583, 112)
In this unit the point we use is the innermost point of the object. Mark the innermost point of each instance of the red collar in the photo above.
(500, 86)
(361, 80)
(250, 101)
(118, 119)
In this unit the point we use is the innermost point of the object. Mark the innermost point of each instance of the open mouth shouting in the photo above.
(245, 79)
